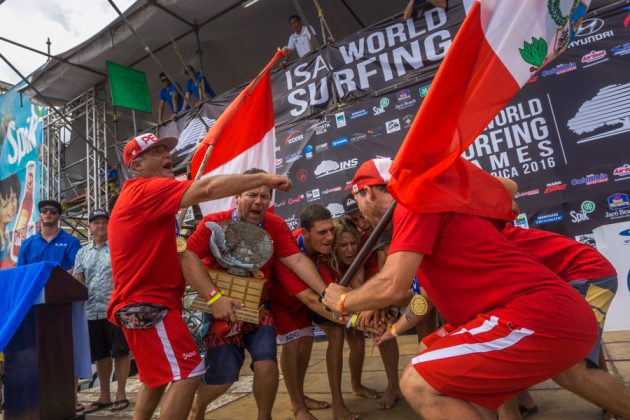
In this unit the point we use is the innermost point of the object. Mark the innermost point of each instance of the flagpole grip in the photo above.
(376, 234)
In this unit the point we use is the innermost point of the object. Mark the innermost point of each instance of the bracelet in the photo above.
(342, 301)
(393, 331)
(352, 322)
(214, 296)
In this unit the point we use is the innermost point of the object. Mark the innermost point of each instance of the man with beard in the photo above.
(515, 322)
(148, 282)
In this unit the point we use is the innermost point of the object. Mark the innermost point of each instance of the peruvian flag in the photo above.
(243, 137)
(499, 47)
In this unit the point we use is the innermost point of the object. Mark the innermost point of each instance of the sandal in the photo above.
(120, 405)
(96, 406)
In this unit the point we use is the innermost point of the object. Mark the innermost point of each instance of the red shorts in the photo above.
(166, 352)
(291, 322)
(489, 360)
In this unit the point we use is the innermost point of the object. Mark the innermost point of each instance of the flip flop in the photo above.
(96, 406)
(123, 404)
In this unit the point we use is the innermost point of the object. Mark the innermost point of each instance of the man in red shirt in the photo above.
(516, 323)
(148, 282)
(225, 354)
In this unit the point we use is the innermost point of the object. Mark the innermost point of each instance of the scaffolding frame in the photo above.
(78, 197)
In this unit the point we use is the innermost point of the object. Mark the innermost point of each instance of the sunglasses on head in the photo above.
(163, 80)
(50, 210)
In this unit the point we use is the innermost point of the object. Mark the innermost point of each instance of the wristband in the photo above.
(342, 301)
(393, 331)
(214, 296)
(352, 322)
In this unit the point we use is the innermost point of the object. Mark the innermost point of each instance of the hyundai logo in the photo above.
(589, 27)
(625, 232)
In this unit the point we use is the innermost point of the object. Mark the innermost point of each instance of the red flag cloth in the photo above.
(243, 137)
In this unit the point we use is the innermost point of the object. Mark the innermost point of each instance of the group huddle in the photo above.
(520, 306)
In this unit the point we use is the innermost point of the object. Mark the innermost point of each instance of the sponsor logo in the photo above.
(293, 157)
(594, 57)
(407, 120)
(294, 137)
(586, 208)
(340, 119)
(331, 190)
(335, 209)
(375, 133)
(351, 202)
(590, 179)
(380, 109)
(586, 239)
(405, 104)
(358, 114)
(296, 199)
(189, 355)
(320, 127)
(618, 201)
(312, 195)
(280, 204)
(549, 217)
(589, 27)
(403, 95)
(521, 221)
(292, 222)
(555, 186)
(328, 167)
(279, 162)
(623, 49)
(356, 137)
(533, 79)
(617, 214)
(625, 232)
(392, 126)
(341, 141)
(610, 105)
(423, 90)
(527, 193)
(321, 147)
(560, 69)
(622, 171)
(192, 134)
(308, 152)
(302, 175)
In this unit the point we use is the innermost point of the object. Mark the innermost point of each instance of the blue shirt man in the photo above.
(194, 83)
(51, 243)
(170, 96)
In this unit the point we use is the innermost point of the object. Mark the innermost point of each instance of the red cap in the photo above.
(372, 172)
(144, 142)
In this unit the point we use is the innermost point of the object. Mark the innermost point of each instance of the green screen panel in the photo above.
(129, 87)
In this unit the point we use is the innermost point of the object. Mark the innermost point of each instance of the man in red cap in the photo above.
(515, 322)
(148, 282)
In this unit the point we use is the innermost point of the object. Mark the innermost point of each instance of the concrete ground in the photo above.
(238, 403)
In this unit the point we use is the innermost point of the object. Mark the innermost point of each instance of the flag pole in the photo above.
(376, 234)
(248, 89)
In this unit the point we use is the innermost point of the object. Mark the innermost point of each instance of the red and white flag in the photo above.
(243, 137)
(499, 47)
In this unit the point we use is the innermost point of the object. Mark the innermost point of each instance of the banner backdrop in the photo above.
(20, 172)
(563, 138)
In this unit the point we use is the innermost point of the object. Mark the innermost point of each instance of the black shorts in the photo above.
(106, 340)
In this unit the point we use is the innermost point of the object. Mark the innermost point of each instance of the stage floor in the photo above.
(554, 403)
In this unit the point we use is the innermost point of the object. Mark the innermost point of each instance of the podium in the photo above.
(39, 363)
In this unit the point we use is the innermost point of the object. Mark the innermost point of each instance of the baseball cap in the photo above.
(52, 203)
(97, 213)
(372, 172)
(144, 142)
(350, 205)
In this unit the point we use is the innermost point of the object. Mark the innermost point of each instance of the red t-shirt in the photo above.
(470, 269)
(283, 243)
(569, 259)
(141, 235)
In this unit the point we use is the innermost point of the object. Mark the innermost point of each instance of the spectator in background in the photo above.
(442, 4)
(195, 88)
(93, 267)
(10, 190)
(51, 243)
(302, 39)
(169, 95)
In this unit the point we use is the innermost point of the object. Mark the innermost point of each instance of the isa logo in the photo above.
(618, 201)
(340, 118)
(521, 221)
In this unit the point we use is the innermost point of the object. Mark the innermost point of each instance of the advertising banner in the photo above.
(20, 172)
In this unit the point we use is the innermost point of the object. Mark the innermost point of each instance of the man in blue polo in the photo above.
(51, 243)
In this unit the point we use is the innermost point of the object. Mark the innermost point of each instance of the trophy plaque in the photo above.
(241, 248)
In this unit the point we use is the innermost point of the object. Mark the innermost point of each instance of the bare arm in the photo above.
(408, 10)
(311, 299)
(160, 111)
(388, 286)
(303, 266)
(214, 187)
